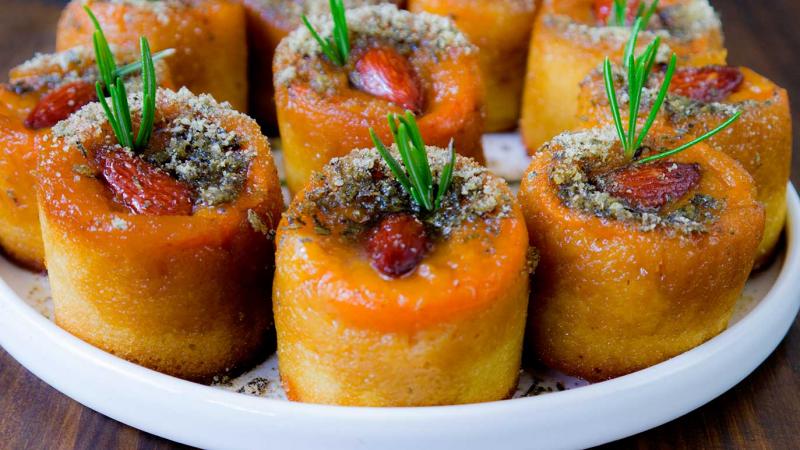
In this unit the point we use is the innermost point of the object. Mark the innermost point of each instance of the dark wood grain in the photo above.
(761, 412)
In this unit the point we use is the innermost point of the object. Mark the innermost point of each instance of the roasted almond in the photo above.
(706, 84)
(650, 186)
(60, 103)
(386, 74)
(397, 244)
(142, 187)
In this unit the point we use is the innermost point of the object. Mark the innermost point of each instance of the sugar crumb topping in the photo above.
(404, 31)
(198, 150)
(164, 10)
(354, 191)
(50, 70)
(292, 10)
(683, 22)
(66, 60)
(577, 154)
(679, 108)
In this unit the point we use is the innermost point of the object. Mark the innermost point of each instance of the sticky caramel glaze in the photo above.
(560, 57)
(267, 23)
(501, 29)
(761, 140)
(208, 36)
(20, 236)
(610, 299)
(184, 295)
(20, 232)
(449, 333)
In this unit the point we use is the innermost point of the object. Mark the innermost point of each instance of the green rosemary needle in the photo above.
(693, 142)
(149, 89)
(137, 65)
(639, 70)
(119, 113)
(418, 182)
(619, 12)
(337, 47)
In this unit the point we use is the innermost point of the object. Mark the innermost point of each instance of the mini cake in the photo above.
(269, 21)
(380, 301)
(701, 98)
(328, 96)
(645, 242)
(645, 247)
(208, 37)
(39, 93)
(639, 262)
(501, 29)
(163, 255)
(571, 38)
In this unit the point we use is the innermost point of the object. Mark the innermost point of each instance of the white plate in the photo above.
(579, 416)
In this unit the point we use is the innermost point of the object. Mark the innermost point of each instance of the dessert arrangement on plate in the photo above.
(402, 271)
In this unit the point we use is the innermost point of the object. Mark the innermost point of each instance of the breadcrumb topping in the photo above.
(70, 59)
(369, 25)
(46, 71)
(683, 22)
(164, 10)
(292, 10)
(677, 107)
(198, 151)
(576, 155)
(353, 192)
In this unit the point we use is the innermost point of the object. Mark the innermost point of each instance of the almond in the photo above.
(142, 187)
(397, 244)
(706, 84)
(386, 74)
(650, 186)
(60, 103)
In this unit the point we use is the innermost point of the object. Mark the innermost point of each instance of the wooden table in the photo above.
(761, 412)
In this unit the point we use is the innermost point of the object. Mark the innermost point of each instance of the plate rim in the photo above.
(373, 425)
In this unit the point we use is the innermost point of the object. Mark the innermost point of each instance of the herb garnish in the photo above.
(110, 81)
(639, 71)
(137, 65)
(337, 47)
(619, 12)
(419, 180)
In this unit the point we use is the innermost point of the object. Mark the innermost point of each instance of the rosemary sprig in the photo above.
(337, 47)
(418, 182)
(137, 65)
(693, 142)
(619, 12)
(149, 89)
(647, 14)
(103, 56)
(639, 71)
(119, 113)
